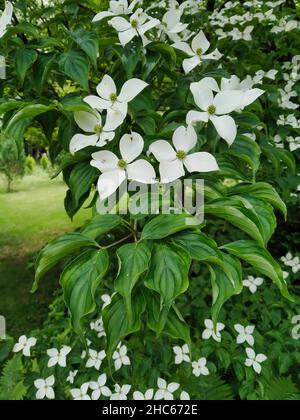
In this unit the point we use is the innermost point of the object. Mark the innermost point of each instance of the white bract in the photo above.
(116, 8)
(99, 388)
(245, 34)
(254, 360)
(120, 357)
(72, 376)
(24, 345)
(138, 25)
(98, 326)
(165, 391)
(6, 18)
(215, 109)
(45, 388)
(116, 105)
(174, 163)
(106, 299)
(116, 170)
(196, 52)
(80, 394)
(148, 395)
(90, 123)
(200, 368)
(121, 392)
(182, 354)
(245, 334)
(253, 283)
(171, 23)
(211, 331)
(95, 359)
(293, 262)
(58, 357)
(184, 396)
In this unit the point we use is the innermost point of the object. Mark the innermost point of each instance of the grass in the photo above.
(30, 216)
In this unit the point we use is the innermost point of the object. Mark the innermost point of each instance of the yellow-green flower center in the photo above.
(181, 154)
(211, 110)
(122, 164)
(113, 97)
(134, 23)
(98, 129)
(199, 52)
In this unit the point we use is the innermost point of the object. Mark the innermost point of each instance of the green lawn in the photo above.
(30, 216)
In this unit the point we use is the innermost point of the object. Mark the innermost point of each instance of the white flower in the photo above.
(58, 357)
(24, 345)
(120, 392)
(165, 391)
(45, 388)
(137, 395)
(91, 123)
(233, 83)
(182, 354)
(254, 360)
(196, 51)
(184, 396)
(99, 388)
(245, 334)
(278, 141)
(115, 170)
(293, 262)
(98, 326)
(95, 359)
(200, 368)
(253, 283)
(174, 162)
(106, 299)
(80, 394)
(6, 18)
(139, 24)
(116, 105)
(294, 143)
(211, 332)
(116, 8)
(216, 109)
(171, 23)
(72, 376)
(120, 357)
(245, 34)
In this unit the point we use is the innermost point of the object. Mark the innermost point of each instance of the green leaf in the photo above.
(165, 225)
(134, 260)
(79, 281)
(56, 251)
(165, 50)
(247, 120)
(246, 150)
(116, 323)
(261, 260)
(29, 111)
(101, 224)
(24, 59)
(41, 70)
(76, 65)
(87, 41)
(168, 275)
(263, 191)
(234, 211)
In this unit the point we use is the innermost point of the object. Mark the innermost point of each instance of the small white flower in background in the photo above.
(294, 143)
(99, 388)
(196, 52)
(116, 105)
(6, 18)
(138, 25)
(121, 392)
(137, 395)
(98, 326)
(245, 34)
(171, 23)
(120, 357)
(106, 299)
(278, 141)
(116, 8)
(173, 163)
(254, 360)
(252, 283)
(234, 83)
(293, 262)
(80, 394)
(95, 359)
(115, 170)
(182, 354)
(58, 357)
(184, 396)
(72, 376)
(245, 334)
(165, 391)
(200, 368)
(211, 332)
(215, 109)
(24, 345)
(45, 388)
(285, 275)
(90, 123)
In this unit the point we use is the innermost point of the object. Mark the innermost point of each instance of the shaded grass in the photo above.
(30, 216)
